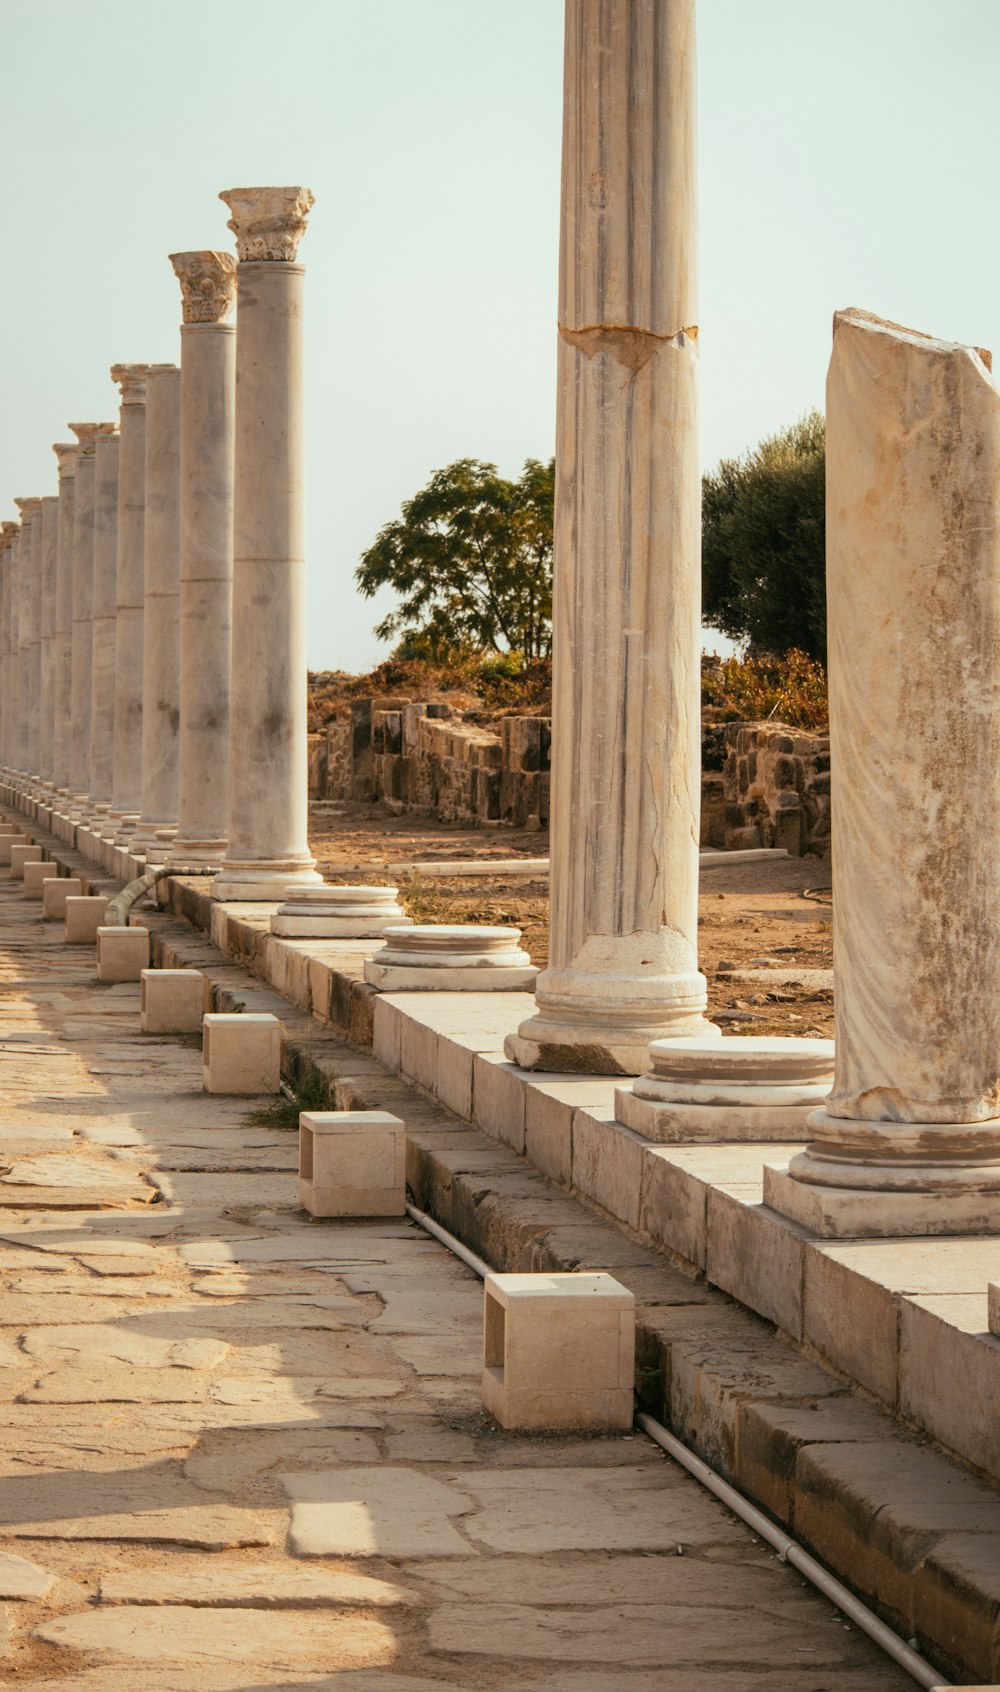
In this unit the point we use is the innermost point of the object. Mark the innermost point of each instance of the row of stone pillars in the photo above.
(153, 611)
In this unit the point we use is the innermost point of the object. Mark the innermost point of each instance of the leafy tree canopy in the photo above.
(471, 559)
(764, 540)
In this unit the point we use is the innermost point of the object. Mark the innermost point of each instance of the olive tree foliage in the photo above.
(470, 557)
(764, 543)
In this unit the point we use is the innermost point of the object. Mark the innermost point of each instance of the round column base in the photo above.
(187, 851)
(241, 882)
(601, 1045)
(715, 1091)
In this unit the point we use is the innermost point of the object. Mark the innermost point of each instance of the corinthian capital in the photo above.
(131, 379)
(28, 508)
(7, 533)
(268, 223)
(208, 285)
(87, 433)
(65, 452)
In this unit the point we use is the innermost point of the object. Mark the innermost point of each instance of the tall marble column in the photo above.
(83, 593)
(909, 1139)
(46, 691)
(268, 777)
(161, 627)
(12, 685)
(28, 633)
(623, 967)
(126, 802)
(62, 682)
(103, 620)
(8, 531)
(207, 413)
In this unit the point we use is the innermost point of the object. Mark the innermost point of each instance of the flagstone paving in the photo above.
(241, 1450)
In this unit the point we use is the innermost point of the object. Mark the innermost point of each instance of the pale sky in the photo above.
(848, 156)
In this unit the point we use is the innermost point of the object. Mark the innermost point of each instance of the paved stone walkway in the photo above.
(240, 1450)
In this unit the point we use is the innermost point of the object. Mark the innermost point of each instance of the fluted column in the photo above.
(28, 634)
(8, 532)
(909, 1139)
(83, 594)
(161, 627)
(268, 776)
(207, 412)
(103, 658)
(126, 802)
(62, 681)
(46, 692)
(623, 966)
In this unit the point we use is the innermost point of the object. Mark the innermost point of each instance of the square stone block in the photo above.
(55, 892)
(84, 916)
(558, 1351)
(7, 844)
(241, 1052)
(35, 876)
(171, 1001)
(21, 855)
(122, 953)
(352, 1163)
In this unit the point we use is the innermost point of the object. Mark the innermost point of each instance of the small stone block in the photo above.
(35, 874)
(241, 1052)
(84, 916)
(122, 953)
(21, 855)
(558, 1351)
(171, 1001)
(352, 1163)
(55, 892)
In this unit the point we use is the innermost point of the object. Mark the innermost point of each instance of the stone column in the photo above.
(909, 1140)
(623, 967)
(126, 802)
(62, 684)
(46, 692)
(8, 533)
(160, 635)
(207, 413)
(102, 622)
(83, 591)
(268, 776)
(12, 684)
(29, 665)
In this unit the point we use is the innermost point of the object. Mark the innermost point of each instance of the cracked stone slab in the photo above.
(375, 1512)
(204, 1583)
(21, 1579)
(121, 1344)
(143, 1633)
(645, 1508)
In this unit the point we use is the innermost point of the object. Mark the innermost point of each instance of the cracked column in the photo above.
(83, 594)
(103, 622)
(207, 432)
(623, 967)
(62, 680)
(46, 695)
(29, 653)
(126, 800)
(160, 633)
(8, 534)
(268, 777)
(909, 1139)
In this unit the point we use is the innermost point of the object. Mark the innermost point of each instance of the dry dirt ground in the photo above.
(765, 927)
(239, 1450)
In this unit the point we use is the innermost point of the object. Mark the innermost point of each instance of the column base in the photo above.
(240, 881)
(859, 1213)
(187, 852)
(728, 1089)
(595, 1046)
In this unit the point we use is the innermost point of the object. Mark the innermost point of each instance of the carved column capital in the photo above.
(28, 508)
(8, 531)
(208, 285)
(131, 379)
(87, 433)
(268, 222)
(66, 452)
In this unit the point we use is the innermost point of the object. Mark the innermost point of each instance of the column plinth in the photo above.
(268, 777)
(623, 965)
(909, 1140)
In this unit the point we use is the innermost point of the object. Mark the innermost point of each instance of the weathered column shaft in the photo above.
(161, 629)
(83, 594)
(207, 422)
(103, 620)
(127, 785)
(50, 555)
(8, 532)
(626, 691)
(12, 691)
(62, 679)
(268, 774)
(28, 633)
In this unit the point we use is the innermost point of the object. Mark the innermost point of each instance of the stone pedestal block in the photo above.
(84, 916)
(241, 1053)
(752, 1088)
(7, 842)
(56, 891)
(122, 953)
(21, 855)
(338, 913)
(35, 875)
(352, 1163)
(558, 1351)
(171, 1001)
(451, 958)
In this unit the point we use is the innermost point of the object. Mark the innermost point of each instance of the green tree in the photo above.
(764, 541)
(471, 559)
